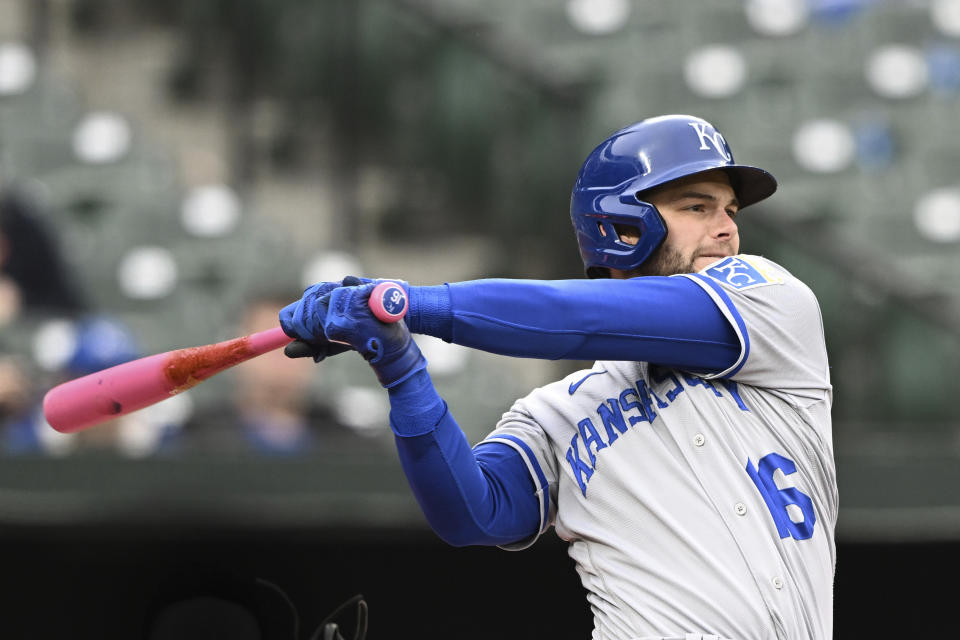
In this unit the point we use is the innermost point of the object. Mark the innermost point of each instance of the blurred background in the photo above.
(172, 173)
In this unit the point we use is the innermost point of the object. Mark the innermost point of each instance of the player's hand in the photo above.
(388, 347)
(304, 318)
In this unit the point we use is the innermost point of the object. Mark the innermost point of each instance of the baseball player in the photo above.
(691, 469)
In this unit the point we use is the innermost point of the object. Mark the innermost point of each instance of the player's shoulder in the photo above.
(744, 272)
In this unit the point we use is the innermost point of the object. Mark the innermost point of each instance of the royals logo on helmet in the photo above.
(716, 140)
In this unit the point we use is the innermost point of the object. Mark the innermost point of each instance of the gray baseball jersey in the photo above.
(698, 504)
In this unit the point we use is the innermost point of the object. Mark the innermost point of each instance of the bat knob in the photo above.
(388, 302)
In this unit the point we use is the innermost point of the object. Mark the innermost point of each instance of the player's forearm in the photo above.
(466, 501)
(669, 321)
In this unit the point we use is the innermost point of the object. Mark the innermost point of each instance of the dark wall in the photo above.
(105, 583)
(94, 583)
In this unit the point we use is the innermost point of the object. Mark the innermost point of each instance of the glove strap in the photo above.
(400, 367)
(431, 312)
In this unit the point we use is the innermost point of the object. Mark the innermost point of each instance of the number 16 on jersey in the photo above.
(778, 499)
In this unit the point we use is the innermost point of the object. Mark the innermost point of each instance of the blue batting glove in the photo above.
(388, 347)
(304, 318)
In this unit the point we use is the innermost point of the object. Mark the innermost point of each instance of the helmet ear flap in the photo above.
(606, 228)
(621, 238)
(618, 231)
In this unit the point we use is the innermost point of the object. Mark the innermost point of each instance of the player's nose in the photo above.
(724, 224)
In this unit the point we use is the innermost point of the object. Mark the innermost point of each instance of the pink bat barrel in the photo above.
(133, 385)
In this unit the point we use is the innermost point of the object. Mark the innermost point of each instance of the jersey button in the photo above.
(778, 583)
(740, 508)
(699, 439)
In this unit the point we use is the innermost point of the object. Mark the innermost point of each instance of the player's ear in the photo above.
(628, 233)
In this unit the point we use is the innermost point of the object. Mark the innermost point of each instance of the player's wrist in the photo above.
(415, 406)
(431, 311)
(398, 362)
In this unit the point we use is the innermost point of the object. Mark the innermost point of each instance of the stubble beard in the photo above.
(665, 261)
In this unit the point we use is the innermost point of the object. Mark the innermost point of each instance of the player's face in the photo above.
(699, 212)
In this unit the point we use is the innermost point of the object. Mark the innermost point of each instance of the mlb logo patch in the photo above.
(740, 274)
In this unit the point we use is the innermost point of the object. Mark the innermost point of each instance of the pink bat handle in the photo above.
(133, 385)
(388, 302)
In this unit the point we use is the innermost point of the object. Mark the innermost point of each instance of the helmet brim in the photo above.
(751, 184)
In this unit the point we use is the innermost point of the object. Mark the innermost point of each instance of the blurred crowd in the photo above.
(271, 407)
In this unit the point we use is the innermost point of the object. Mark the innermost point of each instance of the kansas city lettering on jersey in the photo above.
(634, 405)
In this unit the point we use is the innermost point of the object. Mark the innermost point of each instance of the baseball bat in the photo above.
(128, 387)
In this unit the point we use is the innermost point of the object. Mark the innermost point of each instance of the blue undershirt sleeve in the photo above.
(469, 497)
(486, 495)
(663, 320)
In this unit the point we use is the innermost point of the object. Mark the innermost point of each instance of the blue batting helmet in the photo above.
(644, 155)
